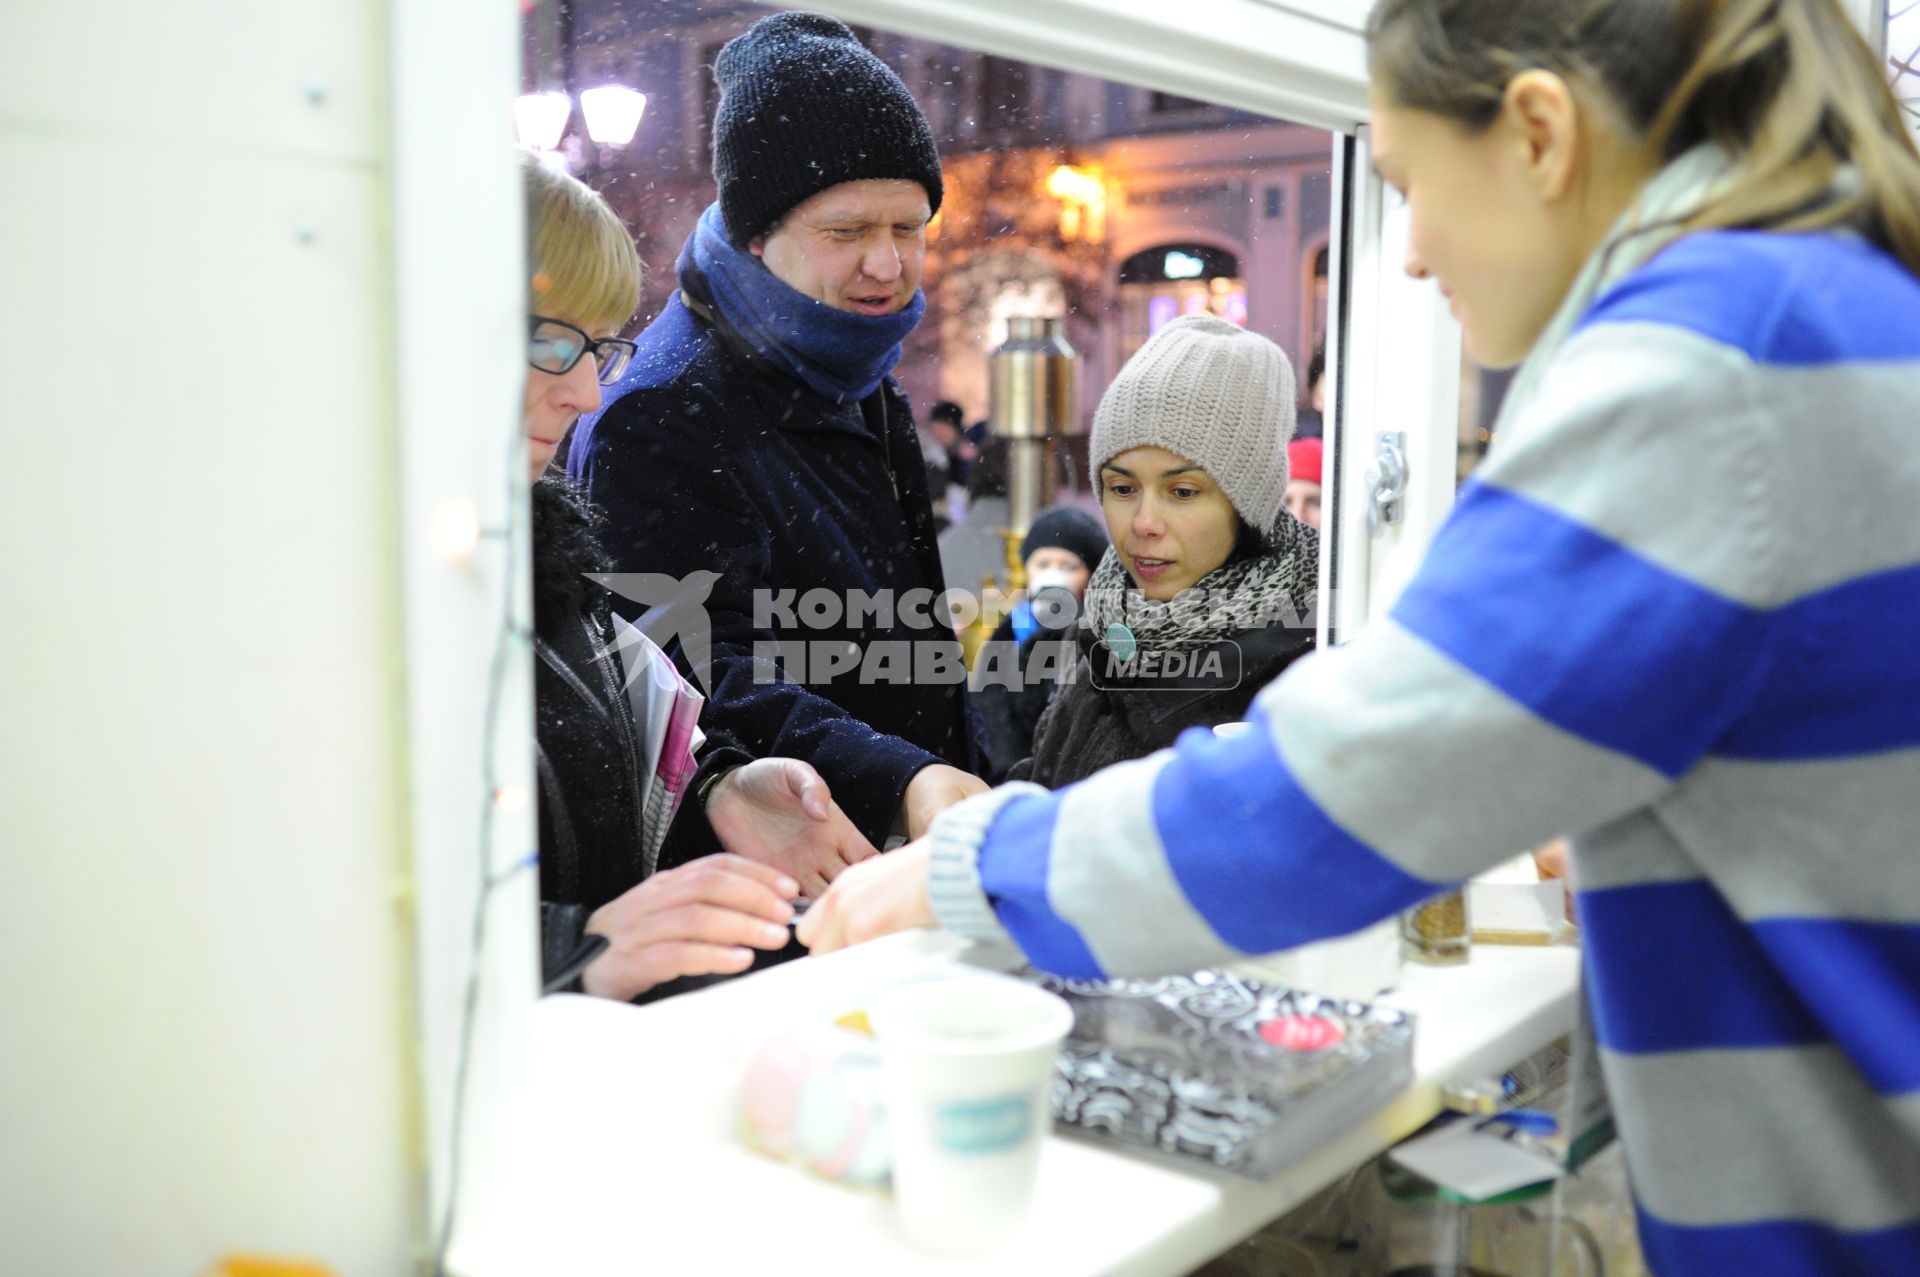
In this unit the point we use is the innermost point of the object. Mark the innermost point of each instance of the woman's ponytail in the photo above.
(1787, 88)
(1790, 90)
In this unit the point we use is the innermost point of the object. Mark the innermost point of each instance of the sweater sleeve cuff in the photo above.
(954, 888)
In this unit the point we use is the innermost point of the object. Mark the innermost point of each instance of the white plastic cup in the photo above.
(969, 1066)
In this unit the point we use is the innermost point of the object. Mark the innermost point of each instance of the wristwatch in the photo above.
(704, 791)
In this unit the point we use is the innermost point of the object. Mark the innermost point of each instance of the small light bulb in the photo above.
(456, 529)
(511, 798)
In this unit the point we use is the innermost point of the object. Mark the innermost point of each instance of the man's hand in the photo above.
(931, 791)
(779, 812)
(704, 918)
(882, 896)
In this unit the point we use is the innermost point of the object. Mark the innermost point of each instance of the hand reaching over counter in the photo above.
(780, 813)
(873, 899)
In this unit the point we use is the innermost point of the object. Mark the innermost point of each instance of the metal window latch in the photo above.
(1386, 482)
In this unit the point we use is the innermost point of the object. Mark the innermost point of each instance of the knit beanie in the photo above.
(1304, 459)
(804, 107)
(1069, 529)
(1211, 392)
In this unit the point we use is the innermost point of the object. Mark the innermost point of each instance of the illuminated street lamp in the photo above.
(613, 113)
(541, 118)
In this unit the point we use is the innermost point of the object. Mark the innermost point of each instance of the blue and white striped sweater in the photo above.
(1676, 614)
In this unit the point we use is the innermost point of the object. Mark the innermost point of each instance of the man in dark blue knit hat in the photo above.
(759, 436)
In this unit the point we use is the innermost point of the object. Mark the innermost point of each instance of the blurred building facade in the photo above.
(1115, 206)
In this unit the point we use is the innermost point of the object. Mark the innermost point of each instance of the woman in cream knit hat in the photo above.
(1208, 590)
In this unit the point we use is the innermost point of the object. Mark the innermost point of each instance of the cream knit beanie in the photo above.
(1217, 395)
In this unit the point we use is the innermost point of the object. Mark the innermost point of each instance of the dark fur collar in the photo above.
(566, 546)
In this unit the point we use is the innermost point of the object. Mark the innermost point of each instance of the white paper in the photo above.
(652, 692)
(1473, 1163)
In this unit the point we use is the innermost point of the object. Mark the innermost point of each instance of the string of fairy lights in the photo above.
(459, 533)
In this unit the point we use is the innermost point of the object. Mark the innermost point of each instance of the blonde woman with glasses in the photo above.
(630, 899)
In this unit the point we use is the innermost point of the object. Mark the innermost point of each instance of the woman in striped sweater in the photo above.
(1696, 225)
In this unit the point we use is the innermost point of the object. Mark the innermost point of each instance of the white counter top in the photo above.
(631, 1161)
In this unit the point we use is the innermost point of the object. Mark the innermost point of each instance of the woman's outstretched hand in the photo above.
(875, 898)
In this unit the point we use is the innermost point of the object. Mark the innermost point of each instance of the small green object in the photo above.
(1121, 642)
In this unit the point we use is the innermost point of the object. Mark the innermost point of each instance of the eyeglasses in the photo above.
(555, 346)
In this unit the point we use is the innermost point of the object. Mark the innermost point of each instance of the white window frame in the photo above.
(1399, 352)
(1393, 360)
(460, 341)
(1871, 17)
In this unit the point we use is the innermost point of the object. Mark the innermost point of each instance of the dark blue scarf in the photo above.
(842, 355)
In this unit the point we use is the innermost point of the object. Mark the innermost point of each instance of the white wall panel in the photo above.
(241, 693)
(227, 78)
(203, 1014)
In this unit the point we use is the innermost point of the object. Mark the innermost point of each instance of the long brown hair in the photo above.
(1786, 87)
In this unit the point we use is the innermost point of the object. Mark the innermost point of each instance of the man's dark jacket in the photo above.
(710, 457)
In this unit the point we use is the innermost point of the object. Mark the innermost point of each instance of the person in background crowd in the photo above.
(759, 439)
(949, 460)
(939, 463)
(1303, 480)
(1312, 414)
(1022, 665)
(947, 420)
(1698, 225)
(628, 899)
(1189, 448)
(973, 553)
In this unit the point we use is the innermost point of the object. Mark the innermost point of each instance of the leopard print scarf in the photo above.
(1276, 588)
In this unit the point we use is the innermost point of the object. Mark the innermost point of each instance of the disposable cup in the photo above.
(968, 1067)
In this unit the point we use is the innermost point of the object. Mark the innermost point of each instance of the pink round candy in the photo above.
(770, 1092)
(1302, 1032)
